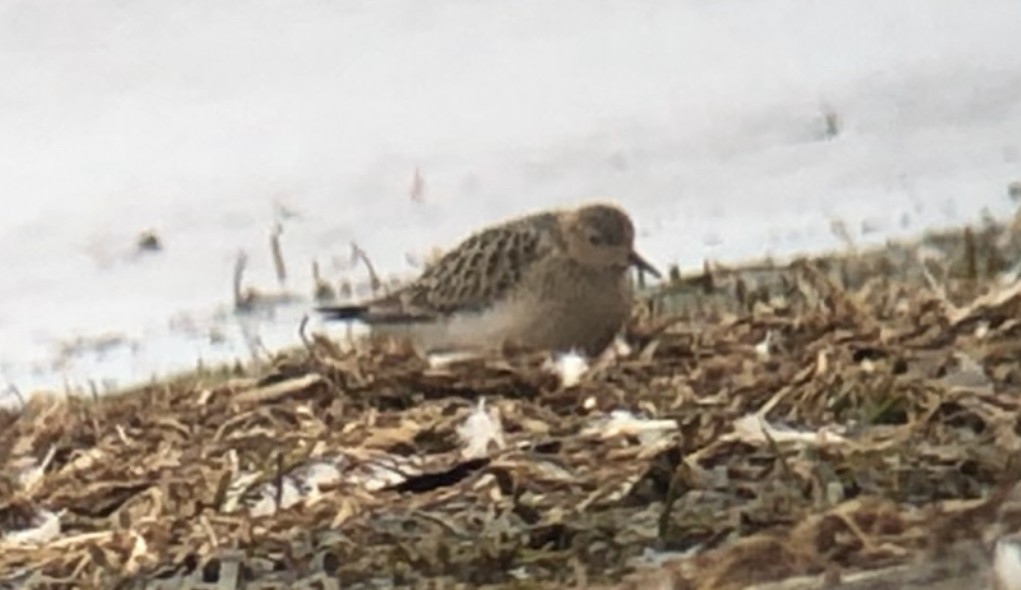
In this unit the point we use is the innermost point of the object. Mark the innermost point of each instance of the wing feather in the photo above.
(483, 268)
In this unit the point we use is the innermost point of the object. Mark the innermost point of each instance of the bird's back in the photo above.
(479, 272)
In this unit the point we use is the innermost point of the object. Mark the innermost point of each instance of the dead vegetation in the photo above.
(835, 423)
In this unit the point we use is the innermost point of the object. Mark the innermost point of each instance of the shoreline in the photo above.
(812, 421)
(224, 335)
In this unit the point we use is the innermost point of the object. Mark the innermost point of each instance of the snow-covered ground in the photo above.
(708, 119)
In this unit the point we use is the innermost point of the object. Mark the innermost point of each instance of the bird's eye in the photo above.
(595, 240)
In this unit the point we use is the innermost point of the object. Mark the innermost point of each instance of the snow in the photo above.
(706, 119)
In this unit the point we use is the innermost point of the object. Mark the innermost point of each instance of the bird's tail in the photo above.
(373, 315)
(343, 312)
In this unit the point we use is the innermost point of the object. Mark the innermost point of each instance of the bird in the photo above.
(554, 280)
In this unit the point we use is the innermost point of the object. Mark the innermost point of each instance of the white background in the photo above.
(200, 119)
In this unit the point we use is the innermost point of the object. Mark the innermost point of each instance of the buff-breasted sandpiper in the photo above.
(554, 280)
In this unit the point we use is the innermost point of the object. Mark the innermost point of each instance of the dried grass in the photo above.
(828, 422)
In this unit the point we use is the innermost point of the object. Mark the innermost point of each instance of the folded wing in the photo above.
(479, 272)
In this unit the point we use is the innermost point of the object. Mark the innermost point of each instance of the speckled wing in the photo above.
(479, 271)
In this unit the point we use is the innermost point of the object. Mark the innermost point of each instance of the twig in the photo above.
(208, 529)
(253, 342)
(302, 335)
(13, 390)
(680, 484)
(358, 254)
(242, 301)
(323, 290)
(278, 481)
(279, 389)
(839, 229)
(278, 256)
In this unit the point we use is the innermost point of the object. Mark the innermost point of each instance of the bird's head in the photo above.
(602, 236)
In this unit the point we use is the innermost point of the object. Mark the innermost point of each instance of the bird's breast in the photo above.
(571, 307)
